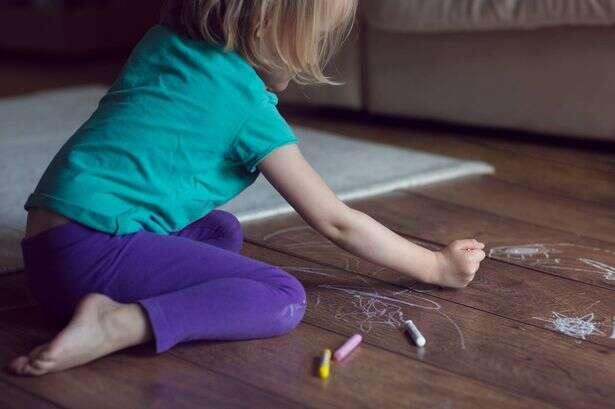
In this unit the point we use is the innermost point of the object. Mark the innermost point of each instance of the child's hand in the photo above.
(458, 262)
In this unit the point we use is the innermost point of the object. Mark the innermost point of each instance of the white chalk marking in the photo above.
(306, 244)
(322, 271)
(400, 292)
(589, 306)
(520, 251)
(609, 271)
(577, 327)
(354, 291)
(539, 255)
(285, 230)
(372, 308)
(461, 338)
(369, 309)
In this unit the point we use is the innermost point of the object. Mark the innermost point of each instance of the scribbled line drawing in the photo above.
(552, 256)
(371, 311)
(321, 271)
(372, 308)
(608, 271)
(520, 252)
(578, 327)
(284, 231)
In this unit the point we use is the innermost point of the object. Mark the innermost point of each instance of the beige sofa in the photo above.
(538, 65)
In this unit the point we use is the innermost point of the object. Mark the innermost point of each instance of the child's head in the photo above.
(282, 39)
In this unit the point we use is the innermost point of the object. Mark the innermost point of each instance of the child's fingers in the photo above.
(476, 254)
(466, 244)
(480, 255)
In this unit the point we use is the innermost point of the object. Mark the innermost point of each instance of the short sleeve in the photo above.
(262, 133)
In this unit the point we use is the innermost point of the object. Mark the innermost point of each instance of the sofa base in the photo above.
(556, 81)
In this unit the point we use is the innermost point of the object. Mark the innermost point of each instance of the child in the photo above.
(122, 232)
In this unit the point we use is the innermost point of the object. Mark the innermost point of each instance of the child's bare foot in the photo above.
(99, 327)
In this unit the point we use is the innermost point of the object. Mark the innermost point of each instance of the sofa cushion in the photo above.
(472, 15)
(557, 81)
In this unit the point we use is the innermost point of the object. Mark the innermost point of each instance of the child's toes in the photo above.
(42, 360)
(37, 351)
(38, 362)
(43, 353)
(18, 364)
(37, 367)
(41, 364)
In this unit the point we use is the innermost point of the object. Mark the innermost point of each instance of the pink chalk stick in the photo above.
(343, 351)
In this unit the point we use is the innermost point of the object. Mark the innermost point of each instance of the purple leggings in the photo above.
(193, 284)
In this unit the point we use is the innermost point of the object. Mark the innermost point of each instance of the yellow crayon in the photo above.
(325, 364)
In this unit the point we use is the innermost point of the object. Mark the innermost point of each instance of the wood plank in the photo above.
(490, 195)
(512, 240)
(507, 290)
(539, 173)
(563, 151)
(133, 378)
(14, 292)
(371, 377)
(14, 398)
(502, 352)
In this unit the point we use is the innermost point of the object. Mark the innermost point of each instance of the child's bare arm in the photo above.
(294, 178)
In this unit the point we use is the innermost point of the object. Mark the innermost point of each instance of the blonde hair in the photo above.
(297, 37)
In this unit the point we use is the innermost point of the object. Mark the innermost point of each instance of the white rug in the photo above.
(34, 127)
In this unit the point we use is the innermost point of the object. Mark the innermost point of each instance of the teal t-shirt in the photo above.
(179, 133)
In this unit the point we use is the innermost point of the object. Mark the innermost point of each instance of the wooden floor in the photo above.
(547, 217)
